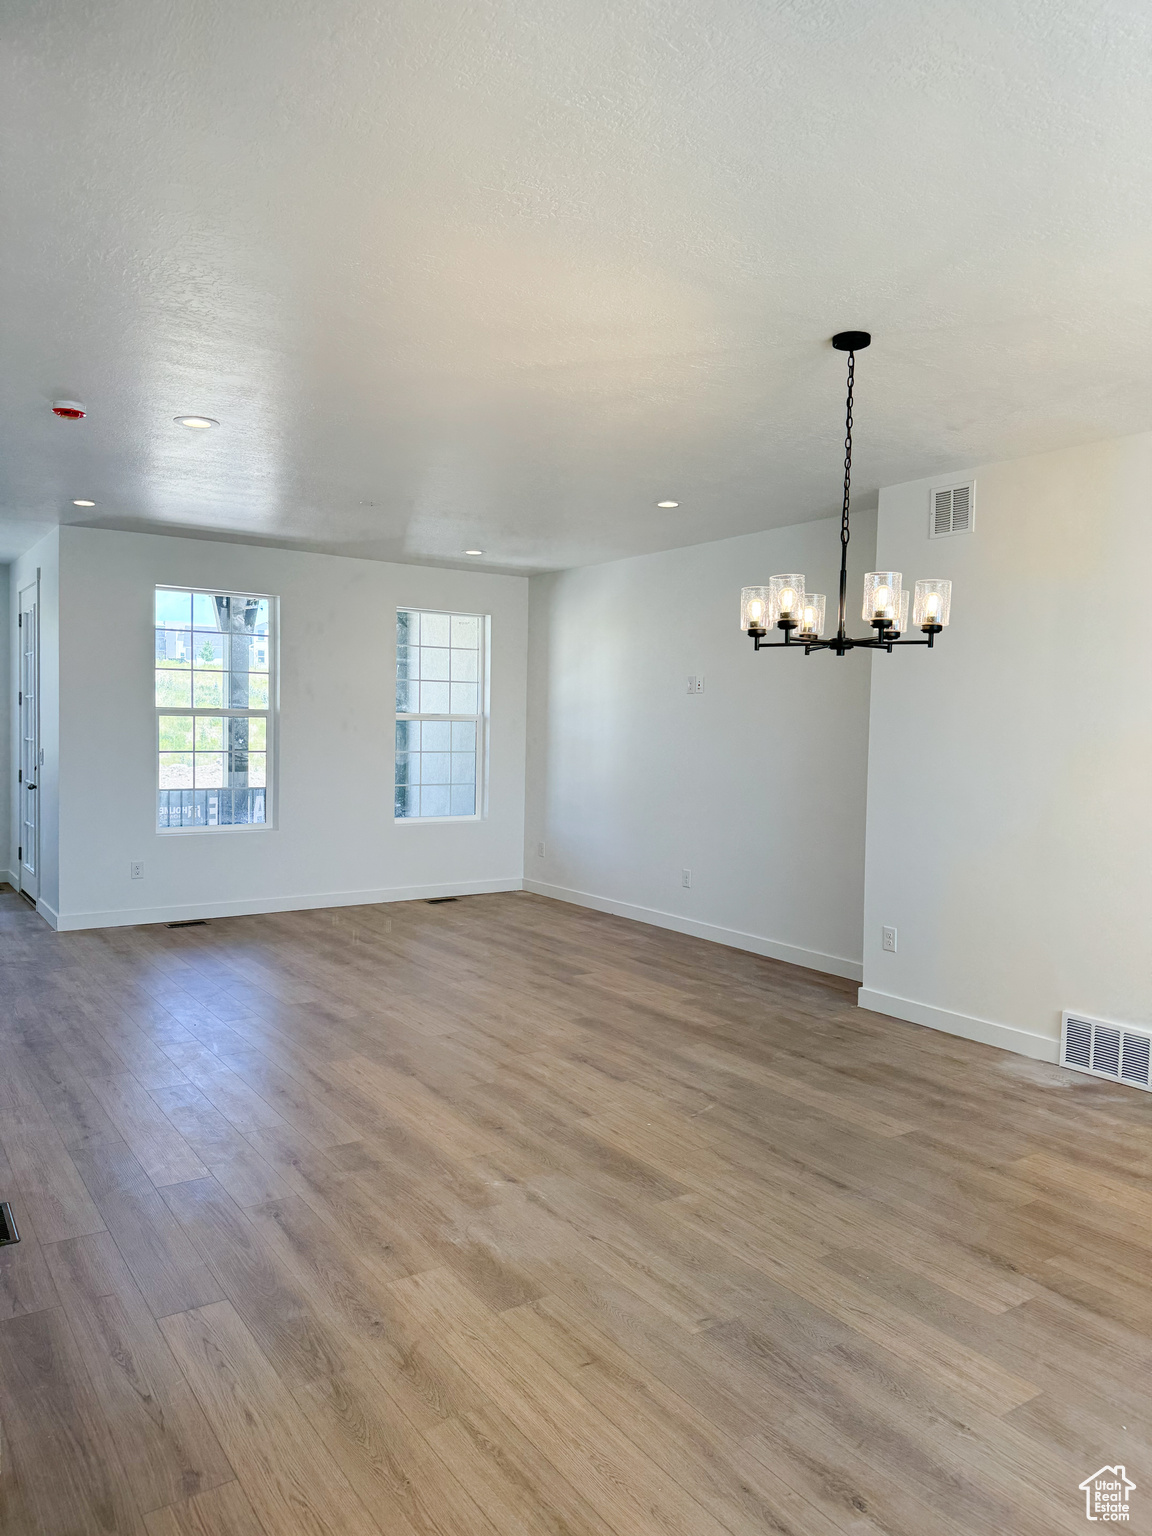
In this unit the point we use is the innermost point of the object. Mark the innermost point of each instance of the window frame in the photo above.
(271, 716)
(483, 660)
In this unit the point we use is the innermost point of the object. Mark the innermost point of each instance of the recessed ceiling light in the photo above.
(83, 503)
(667, 503)
(473, 551)
(200, 422)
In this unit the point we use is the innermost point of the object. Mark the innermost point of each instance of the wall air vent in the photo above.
(1121, 1053)
(952, 509)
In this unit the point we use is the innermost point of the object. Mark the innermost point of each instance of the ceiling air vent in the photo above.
(952, 510)
(1120, 1053)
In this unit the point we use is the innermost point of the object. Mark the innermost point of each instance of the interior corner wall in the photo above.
(1009, 836)
(334, 840)
(40, 565)
(7, 735)
(756, 785)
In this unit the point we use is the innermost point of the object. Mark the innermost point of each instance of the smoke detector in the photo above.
(70, 410)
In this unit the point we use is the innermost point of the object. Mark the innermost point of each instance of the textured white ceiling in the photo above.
(508, 274)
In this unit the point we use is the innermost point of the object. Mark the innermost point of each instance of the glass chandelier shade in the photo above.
(754, 610)
(811, 616)
(882, 591)
(905, 600)
(933, 604)
(785, 597)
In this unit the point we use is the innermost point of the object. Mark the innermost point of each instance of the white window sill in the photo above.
(260, 826)
(435, 821)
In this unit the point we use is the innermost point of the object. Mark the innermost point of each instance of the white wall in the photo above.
(42, 560)
(335, 840)
(757, 785)
(1009, 806)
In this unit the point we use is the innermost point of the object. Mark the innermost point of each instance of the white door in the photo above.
(29, 767)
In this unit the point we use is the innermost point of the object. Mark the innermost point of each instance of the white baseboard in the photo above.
(810, 959)
(130, 917)
(1006, 1036)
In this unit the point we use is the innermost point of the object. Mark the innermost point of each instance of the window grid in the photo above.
(214, 690)
(439, 714)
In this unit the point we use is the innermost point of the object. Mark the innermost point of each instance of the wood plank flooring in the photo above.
(503, 1216)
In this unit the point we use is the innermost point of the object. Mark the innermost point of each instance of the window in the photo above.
(214, 695)
(439, 713)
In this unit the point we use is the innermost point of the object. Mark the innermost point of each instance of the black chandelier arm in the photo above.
(839, 643)
(872, 643)
(886, 645)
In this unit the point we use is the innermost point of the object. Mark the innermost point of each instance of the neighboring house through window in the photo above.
(214, 701)
(440, 713)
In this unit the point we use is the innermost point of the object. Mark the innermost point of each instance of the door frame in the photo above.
(30, 759)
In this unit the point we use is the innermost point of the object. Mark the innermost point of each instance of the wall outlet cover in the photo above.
(136, 870)
(888, 940)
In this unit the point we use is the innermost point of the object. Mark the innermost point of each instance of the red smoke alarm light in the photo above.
(70, 410)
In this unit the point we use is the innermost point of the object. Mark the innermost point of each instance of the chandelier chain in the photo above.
(848, 449)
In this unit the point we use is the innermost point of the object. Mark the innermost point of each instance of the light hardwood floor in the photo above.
(502, 1216)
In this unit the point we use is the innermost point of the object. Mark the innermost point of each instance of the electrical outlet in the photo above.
(685, 877)
(540, 849)
(136, 871)
(699, 682)
(695, 682)
(888, 940)
(691, 682)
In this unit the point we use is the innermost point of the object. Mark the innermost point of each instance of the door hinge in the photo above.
(19, 775)
(20, 697)
(19, 854)
(20, 622)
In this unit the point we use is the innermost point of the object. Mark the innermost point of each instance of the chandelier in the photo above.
(783, 604)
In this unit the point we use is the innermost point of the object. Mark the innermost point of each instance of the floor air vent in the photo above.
(189, 922)
(1121, 1054)
(8, 1232)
